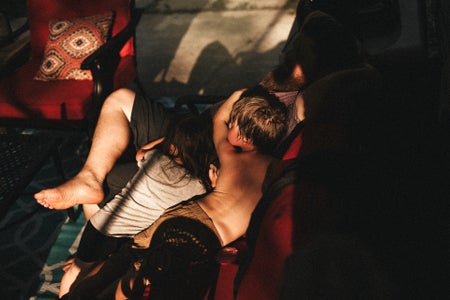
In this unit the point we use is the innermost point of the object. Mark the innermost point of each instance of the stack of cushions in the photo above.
(63, 33)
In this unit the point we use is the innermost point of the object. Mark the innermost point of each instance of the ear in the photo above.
(213, 174)
(247, 144)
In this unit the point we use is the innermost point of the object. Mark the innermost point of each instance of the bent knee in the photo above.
(120, 100)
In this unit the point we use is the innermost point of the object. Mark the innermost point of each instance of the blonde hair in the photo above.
(261, 119)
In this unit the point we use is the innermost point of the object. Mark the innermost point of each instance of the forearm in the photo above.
(222, 117)
(223, 113)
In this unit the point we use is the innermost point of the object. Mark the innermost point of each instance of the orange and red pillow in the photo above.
(70, 42)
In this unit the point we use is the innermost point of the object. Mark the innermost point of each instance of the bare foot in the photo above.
(82, 189)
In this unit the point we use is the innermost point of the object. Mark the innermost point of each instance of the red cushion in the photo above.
(228, 258)
(274, 244)
(40, 12)
(70, 42)
(294, 148)
(225, 282)
(23, 97)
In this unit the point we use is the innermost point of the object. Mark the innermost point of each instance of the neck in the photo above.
(235, 197)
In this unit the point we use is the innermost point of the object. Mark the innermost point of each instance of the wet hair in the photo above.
(261, 118)
(191, 135)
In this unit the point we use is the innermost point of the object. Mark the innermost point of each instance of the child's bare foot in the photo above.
(82, 189)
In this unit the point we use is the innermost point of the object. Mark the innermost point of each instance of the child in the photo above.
(174, 168)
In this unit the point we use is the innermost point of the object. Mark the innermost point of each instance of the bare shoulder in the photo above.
(123, 93)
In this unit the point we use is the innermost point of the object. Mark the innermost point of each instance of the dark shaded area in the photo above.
(389, 222)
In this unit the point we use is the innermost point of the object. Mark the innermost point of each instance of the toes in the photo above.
(44, 204)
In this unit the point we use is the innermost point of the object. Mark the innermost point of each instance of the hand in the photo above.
(141, 152)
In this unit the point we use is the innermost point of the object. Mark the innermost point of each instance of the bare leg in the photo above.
(110, 140)
(89, 210)
(71, 274)
(120, 295)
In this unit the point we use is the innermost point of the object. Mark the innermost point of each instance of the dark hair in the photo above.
(322, 46)
(262, 119)
(192, 137)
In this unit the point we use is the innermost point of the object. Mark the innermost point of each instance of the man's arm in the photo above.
(220, 123)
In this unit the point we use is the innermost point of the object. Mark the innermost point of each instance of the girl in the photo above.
(171, 169)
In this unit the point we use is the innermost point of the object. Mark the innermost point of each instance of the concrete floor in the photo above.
(190, 50)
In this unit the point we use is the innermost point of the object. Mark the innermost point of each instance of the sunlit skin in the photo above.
(234, 138)
(87, 186)
(239, 185)
(73, 267)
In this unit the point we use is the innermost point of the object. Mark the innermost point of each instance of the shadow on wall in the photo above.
(216, 72)
(247, 68)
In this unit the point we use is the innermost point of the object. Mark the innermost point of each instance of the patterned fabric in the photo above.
(70, 42)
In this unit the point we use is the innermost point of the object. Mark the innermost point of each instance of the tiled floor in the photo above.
(35, 241)
(28, 231)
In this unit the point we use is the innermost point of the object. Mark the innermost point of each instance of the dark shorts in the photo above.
(94, 246)
(149, 121)
(103, 284)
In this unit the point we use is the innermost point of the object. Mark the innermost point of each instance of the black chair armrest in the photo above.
(14, 49)
(104, 62)
(114, 44)
(20, 30)
(14, 35)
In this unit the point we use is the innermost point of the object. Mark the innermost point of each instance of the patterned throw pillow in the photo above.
(70, 42)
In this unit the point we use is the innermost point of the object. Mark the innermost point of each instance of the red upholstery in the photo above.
(40, 12)
(225, 282)
(24, 98)
(294, 149)
(274, 244)
(228, 259)
(299, 209)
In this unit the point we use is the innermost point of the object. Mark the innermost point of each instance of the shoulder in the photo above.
(123, 92)
(155, 162)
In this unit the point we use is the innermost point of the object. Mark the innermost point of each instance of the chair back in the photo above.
(40, 12)
(301, 199)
